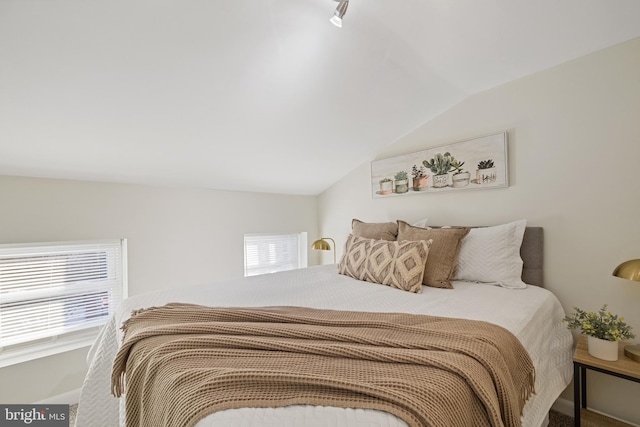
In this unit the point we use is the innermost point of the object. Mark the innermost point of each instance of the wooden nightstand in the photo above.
(582, 360)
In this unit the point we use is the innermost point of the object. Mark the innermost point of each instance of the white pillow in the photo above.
(422, 223)
(492, 255)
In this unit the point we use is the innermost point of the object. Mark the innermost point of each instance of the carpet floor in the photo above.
(556, 419)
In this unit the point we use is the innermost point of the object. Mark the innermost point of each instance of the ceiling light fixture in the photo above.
(339, 13)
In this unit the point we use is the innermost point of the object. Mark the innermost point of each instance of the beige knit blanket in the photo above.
(183, 362)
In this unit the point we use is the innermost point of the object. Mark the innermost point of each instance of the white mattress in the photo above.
(532, 314)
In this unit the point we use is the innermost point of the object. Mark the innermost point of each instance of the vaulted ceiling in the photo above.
(264, 95)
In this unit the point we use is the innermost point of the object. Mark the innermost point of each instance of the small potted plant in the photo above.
(420, 177)
(440, 165)
(603, 331)
(402, 182)
(486, 173)
(386, 186)
(460, 178)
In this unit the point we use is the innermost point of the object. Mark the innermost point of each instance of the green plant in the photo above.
(602, 324)
(418, 173)
(440, 164)
(401, 175)
(457, 166)
(485, 164)
(385, 180)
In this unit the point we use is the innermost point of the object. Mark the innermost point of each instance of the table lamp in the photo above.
(323, 245)
(630, 270)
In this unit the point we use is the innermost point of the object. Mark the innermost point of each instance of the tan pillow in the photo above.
(374, 230)
(395, 264)
(443, 254)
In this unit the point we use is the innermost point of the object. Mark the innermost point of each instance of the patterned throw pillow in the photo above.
(443, 252)
(396, 264)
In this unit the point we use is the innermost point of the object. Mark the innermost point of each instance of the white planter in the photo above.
(486, 176)
(602, 349)
(386, 187)
(461, 179)
(402, 185)
(440, 181)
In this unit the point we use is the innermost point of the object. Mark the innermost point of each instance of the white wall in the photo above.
(176, 237)
(574, 140)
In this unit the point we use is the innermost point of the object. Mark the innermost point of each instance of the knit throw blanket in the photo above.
(182, 362)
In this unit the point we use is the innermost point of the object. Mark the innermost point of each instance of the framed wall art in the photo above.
(479, 163)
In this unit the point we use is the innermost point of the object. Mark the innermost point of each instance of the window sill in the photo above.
(14, 356)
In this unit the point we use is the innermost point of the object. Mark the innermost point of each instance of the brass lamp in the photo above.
(630, 270)
(323, 245)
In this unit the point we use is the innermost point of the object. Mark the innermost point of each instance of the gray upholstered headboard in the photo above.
(531, 253)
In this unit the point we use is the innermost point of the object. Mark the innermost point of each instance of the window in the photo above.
(269, 253)
(54, 297)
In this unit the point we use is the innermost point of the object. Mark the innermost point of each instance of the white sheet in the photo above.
(532, 314)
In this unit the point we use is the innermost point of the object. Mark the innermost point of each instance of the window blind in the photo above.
(49, 291)
(270, 253)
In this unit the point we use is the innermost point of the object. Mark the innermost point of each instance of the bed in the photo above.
(530, 313)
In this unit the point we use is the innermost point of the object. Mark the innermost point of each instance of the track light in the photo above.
(339, 13)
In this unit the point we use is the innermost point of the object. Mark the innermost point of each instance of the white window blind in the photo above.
(57, 294)
(269, 253)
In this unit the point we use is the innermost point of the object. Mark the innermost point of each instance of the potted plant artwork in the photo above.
(420, 177)
(386, 186)
(603, 331)
(402, 182)
(486, 173)
(440, 165)
(460, 177)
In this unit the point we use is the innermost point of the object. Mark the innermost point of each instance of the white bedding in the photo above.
(532, 314)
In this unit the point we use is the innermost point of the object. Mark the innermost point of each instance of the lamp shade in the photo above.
(321, 245)
(629, 270)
